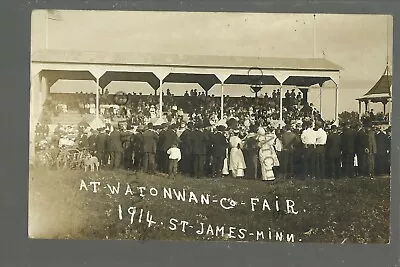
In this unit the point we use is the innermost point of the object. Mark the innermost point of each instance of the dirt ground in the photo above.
(63, 205)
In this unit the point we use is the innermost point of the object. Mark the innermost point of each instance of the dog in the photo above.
(92, 162)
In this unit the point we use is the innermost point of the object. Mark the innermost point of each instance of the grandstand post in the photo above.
(320, 100)
(161, 99)
(280, 105)
(97, 97)
(390, 111)
(337, 104)
(222, 100)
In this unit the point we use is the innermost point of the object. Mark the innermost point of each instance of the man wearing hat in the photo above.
(161, 154)
(371, 151)
(309, 138)
(92, 141)
(348, 149)
(101, 146)
(150, 139)
(320, 143)
(208, 168)
(250, 151)
(289, 142)
(362, 144)
(169, 138)
(219, 146)
(138, 148)
(186, 163)
(198, 139)
(382, 149)
(333, 144)
(388, 132)
(116, 148)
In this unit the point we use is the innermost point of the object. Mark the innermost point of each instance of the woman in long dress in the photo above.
(267, 154)
(236, 158)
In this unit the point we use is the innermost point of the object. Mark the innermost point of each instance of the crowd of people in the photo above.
(248, 142)
(315, 151)
(141, 109)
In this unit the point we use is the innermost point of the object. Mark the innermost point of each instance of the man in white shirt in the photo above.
(174, 157)
(309, 139)
(320, 143)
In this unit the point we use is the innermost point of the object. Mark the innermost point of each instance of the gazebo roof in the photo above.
(375, 97)
(381, 91)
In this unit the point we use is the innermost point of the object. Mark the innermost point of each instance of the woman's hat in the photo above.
(221, 128)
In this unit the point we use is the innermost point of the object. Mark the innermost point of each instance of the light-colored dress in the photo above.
(236, 158)
(268, 157)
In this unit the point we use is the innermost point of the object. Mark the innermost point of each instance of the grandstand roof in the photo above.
(122, 58)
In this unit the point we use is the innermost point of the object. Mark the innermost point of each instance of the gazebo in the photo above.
(381, 92)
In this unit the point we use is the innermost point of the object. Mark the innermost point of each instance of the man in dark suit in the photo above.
(348, 149)
(138, 149)
(333, 144)
(92, 142)
(250, 153)
(101, 147)
(116, 148)
(208, 166)
(370, 151)
(186, 163)
(150, 139)
(219, 145)
(169, 138)
(160, 158)
(289, 142)
(381, 156)
(198, 139)
(362, 151)
(127, 144)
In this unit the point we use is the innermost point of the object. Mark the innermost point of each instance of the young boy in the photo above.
(174, 157)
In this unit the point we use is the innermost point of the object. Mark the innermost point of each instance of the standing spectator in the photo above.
(92, 142)
(198, 139)
(348, 149)
(186, 149)
(208, 169)
(174, 157)
(116, 148)
(169, 138)
(381, 156)
(101, 146)
(128, 153)
(320, 143)
(293, 94)
(138, 149)
(236, 161)
(160, 154)
(309, 138)
(370, 152)
(250, 151)
(219, 145)
(289, 141)
(267, 154)
(362, 151)
(389, 140)
(150, 139)
(333, 146)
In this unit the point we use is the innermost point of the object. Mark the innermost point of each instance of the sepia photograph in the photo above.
(210, 126)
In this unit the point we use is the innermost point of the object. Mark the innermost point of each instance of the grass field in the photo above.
(340, 211)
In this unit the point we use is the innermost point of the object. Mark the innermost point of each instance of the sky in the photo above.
(358, 43)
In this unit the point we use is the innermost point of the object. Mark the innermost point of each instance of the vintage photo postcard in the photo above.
(210, 126)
